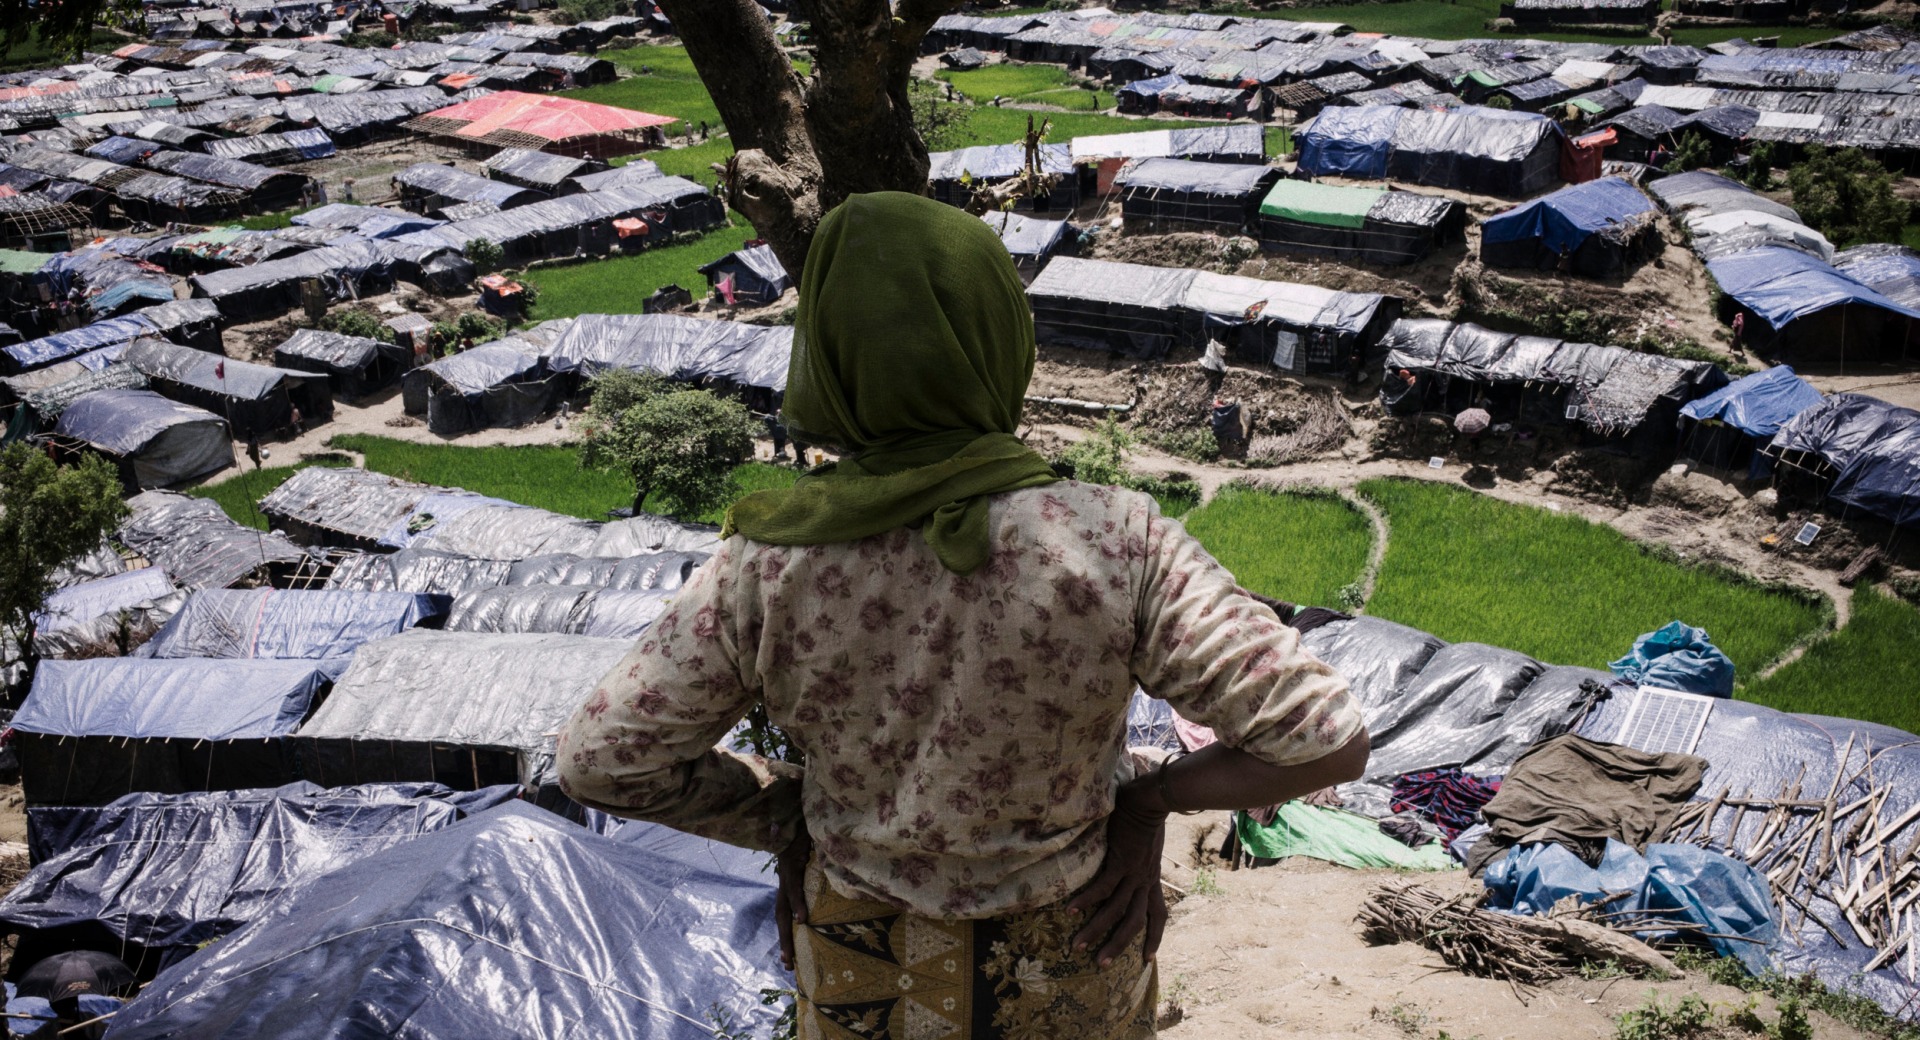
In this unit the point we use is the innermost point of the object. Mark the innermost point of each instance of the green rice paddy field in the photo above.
(1464, 566)
(617, 285)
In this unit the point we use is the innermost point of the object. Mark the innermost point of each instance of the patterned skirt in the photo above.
(868, 971)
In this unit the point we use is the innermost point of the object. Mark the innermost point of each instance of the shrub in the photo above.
(480, 327)
(485, 254)
(1656, 1020)
(1196, 443)
(682, 444)
(1101, 457)
(377, 39)
(1691, 153)
(1847, 196)
(357, 323)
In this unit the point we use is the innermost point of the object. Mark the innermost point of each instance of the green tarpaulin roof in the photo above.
(1585, 105)
(1323, 204)
(14, 261)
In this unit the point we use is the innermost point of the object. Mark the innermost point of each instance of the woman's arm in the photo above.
(643, 745)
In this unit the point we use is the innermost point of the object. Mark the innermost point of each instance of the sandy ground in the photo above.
(1276, 954)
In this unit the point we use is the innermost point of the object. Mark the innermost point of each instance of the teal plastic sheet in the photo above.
(1336, 836)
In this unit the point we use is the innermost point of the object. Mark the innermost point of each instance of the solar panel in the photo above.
(1665, 720)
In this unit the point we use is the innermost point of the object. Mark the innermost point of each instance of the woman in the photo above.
(951, 634)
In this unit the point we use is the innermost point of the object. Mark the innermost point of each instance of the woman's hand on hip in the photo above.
(790, 906)
(1125, 898)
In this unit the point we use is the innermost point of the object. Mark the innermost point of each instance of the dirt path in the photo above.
(1274, 953)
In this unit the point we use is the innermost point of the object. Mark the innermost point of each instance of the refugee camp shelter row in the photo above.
(1484, 150)
(1596, 229)
(254, 399)
(582, 224)
(1371, 225)
(153, 441)
(1146, 311)
(503, 383)
(1623, 400)
(1857, 451)
(1172, 192)
(1731, 428)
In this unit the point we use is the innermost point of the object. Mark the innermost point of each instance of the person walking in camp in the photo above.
(1739, 333)
(951, 634)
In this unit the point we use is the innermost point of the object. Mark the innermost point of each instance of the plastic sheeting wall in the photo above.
(414, 570)
(308, 624)
(195, 541)
(190, 699)
(615, 941)
(168, 873)
(676, 346)
(88, 617)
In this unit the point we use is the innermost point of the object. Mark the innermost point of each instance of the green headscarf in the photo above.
(911, 354)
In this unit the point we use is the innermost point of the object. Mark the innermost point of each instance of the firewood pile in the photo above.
(1812, 845)
(1516, 949)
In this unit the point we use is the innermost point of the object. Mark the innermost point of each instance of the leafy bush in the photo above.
(1691, 153)
(1196, 443)
(1656, 1020)
(445, 333)
(481, 328)
(1500, 101)
(377, 39)
(357, 323)
(942, 125)
(681, 444)
(48, 514)
(1847, 196)
(1100, 457)
(485, 254)
(573, 12)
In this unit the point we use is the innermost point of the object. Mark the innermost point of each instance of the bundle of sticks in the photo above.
(1524, 950)
(1813, 844)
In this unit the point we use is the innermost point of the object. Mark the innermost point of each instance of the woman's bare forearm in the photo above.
(1220, 777)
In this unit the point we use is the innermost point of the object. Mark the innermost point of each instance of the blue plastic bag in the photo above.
(1677, 657)
(1678, 882)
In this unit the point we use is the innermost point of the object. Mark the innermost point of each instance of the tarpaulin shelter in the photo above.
(1128, 309)
(1484, 150)
(564, 126)
(429, 188)
(366, 221)
(1732, 426)
(153, 440)
(1372, 225)
(192, 323)
(199, 545)
(288, 146)
(1708, 193)
(1145, 311)
(1891, 270)
(680, 347)
(494, 384)
(647, 533)
(577, 225)
(466, 709)
(1801, 309)
(1142, 96)
(662, 570)
(265, 189)
(1032, 241)
(1622, 399)
(1598, 229)
(1750, 747)
(153, 877)
(307, 624)
(511, 532)
(349, 270)
(47, 350)
(1222, 196)
(1295, 328)
(418, 570)
(341, 506)
(751, 277)
(633, 171)
(580, 610)
(954, 175)
(448, 927)
(254, 399)
(355, 366)
(94, 616)
(91, 731)
(1857, 450)
(541, 171)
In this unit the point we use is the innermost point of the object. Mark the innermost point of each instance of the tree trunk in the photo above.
(800, 148)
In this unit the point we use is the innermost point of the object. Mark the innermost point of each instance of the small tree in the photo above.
(942, 124)
(1847, 196)
(479, 327)
(616, 390)
(1690, 153)
(683, 444)
(486, 255)
(48, 515)
(1101, 457)
(1759, 172)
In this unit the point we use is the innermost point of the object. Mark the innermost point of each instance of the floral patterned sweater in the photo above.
(961, 733)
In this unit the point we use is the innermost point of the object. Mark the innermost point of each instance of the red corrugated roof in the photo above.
(543, 115)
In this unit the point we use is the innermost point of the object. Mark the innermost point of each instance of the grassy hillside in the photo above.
(1862, 671)
(1297, 547)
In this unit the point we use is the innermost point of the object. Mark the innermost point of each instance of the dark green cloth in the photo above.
(911, 355)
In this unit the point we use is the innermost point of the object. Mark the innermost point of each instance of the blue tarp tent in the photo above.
(1486, 150)
(1809, 309)
(278, 623)
(39, 353)
(366, 221)
(512, 923)
(1590, 228)
(1735, 421)
(189, 699)
(91, 731)
(1860, 451)
(167, 871)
